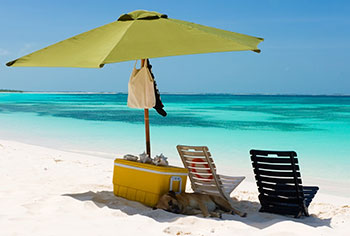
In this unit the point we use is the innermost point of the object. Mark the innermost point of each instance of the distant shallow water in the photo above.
(316, 127)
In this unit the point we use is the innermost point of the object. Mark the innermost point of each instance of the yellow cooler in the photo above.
(145, 183)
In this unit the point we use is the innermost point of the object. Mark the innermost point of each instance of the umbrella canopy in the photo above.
(137, 35)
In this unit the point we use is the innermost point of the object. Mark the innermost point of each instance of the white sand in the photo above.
(50, 192)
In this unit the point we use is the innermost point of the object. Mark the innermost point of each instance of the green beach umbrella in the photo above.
(137, 35)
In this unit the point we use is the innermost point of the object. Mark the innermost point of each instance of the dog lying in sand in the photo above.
(195, 203)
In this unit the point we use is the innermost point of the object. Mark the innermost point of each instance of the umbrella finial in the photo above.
(142, 15)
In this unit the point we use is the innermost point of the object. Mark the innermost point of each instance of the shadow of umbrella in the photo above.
(108, 199)
(254, 218)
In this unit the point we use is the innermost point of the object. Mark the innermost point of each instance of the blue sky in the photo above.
(305, 50)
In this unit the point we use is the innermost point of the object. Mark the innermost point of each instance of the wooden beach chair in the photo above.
(279, 183)
(203, 176)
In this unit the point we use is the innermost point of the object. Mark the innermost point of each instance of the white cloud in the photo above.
(26, 49)
(4, 52)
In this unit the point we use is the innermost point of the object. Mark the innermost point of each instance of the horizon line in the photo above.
(174, 93)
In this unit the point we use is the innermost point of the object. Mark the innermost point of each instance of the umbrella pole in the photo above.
(148, 142)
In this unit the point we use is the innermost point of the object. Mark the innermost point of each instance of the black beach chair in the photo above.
(279, 183)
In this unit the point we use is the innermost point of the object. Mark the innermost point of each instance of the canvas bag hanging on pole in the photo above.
(141, 88)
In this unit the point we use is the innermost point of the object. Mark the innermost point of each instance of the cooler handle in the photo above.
(173, 179)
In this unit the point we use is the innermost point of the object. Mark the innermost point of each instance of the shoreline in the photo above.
(181, 93)
(246, 185)
(54, 192)
(329, 187)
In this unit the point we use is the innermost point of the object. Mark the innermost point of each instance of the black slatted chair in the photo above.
(279, 183)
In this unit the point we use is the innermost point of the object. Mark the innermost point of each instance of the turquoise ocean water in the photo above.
(316, 127)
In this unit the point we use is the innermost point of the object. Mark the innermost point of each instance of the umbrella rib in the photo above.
(202, 28)
(125, 31)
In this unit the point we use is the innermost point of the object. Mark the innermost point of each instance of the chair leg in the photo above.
(299, 214)
(306, 211)
(262, 209)
(234, 210)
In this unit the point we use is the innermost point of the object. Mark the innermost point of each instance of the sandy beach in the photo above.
(83, 84)
(50, 192)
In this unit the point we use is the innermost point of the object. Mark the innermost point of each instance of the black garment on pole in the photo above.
(159, 105)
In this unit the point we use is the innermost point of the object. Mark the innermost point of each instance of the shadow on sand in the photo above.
(254, 218)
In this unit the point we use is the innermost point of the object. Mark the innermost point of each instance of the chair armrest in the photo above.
(223, 177)
(309, 193)
(311, 188)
